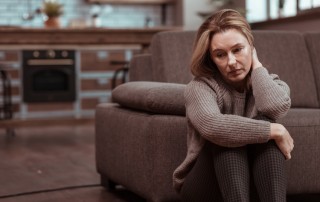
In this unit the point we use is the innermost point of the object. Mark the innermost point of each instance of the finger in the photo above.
(291, 140)
(291, 145)
(288, 156)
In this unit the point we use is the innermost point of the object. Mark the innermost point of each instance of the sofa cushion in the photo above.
(140, 151)
(285, 53)
(171, 53)
(313, 44)
(140, 68)
(304, 127)
(154, 97)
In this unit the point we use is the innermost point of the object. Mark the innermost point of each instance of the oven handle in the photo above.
(38, 62)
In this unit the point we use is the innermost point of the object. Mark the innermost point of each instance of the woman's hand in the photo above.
(255, 61)
(282, 138)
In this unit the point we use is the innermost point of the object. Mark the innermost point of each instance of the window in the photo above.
(270, 9)
(307, 4)
(256, 10)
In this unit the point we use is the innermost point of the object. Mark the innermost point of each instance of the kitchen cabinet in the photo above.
(97, 70)
(95, 67)
(79, 36)
(98, 52)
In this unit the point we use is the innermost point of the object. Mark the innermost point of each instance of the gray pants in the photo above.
(250, 173)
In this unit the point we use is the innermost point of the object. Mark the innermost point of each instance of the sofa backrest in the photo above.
(313, 44)
(282, 52)
(171, 55)
(285, 53)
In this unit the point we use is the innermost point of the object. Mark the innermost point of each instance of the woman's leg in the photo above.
(268, 167)
(232, 170)
(201, 183)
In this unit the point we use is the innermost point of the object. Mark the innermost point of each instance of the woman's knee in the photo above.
(232, 171)
(228, 155)
(263, 117)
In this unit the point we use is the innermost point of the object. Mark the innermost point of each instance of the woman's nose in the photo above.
(231, 60)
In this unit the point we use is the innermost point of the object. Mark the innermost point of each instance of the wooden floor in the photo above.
(52, 162)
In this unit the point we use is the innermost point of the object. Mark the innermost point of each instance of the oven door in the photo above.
(49, 84)
(49, 76)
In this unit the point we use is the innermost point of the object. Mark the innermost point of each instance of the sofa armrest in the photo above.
(141, 68)
(154, 97)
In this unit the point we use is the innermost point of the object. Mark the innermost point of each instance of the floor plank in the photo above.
(90, 194)
(18, 123)
(40, 159)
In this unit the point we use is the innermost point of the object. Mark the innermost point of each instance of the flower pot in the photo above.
(52, 22)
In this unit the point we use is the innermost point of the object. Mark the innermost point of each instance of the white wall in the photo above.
(11, 12)
(190, 8)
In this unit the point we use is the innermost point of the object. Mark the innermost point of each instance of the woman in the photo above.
(236, 151)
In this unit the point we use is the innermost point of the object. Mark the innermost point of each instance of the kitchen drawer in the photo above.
(96, 84)
(101, 61)
(15, 90)
(91, 103)
(13, 73)
(15, 107)
(60, 106)
(9, 56)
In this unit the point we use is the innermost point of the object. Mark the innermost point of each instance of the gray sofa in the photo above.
(141, 136)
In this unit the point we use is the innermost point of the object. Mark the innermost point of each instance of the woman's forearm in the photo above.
(271, 94)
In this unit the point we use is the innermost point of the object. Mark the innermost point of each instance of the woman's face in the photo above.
(232, 54)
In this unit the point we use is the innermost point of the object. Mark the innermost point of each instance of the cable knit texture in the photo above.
(219, 114)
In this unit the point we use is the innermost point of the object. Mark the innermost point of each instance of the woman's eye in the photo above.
(237, 50)
(220, 55)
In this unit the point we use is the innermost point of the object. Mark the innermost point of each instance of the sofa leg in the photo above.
(107, 183)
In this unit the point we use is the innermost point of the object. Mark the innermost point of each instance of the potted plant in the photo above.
(53, 10)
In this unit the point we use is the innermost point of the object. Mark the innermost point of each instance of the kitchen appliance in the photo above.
(48, 75)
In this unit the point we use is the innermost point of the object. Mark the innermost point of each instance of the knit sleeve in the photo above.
(227, 130)
(272, 96)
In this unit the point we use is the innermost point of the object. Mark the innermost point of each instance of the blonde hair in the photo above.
(201, 62)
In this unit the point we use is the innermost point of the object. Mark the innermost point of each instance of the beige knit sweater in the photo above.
(219, 114)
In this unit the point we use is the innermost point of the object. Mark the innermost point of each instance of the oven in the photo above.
(49, 75)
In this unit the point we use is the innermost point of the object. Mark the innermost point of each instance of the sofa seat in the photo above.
(159, 99)
(303, 169)
(138, 159)
(141, 137)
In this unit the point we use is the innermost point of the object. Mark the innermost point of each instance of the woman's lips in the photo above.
(235, 72)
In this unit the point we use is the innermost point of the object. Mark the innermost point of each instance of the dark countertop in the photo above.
(79, 36)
